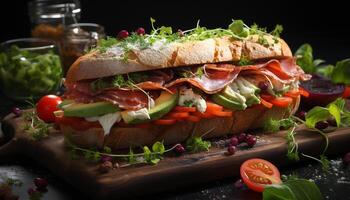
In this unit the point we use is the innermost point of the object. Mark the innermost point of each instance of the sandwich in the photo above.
(168, 86)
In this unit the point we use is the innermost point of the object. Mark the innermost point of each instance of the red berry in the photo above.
(179, 148)
(234, 141)
(40, 183)
(346, 159)
(301, 115)
(321, 125)
(241, 137)
(263, 85)
(251, 140)
(17, 111)
(179, 31)
(31, 191)
(231, 150)
(106, 158)
(123, 34)
(140, 31)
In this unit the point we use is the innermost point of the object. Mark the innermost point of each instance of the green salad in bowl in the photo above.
(29, 68)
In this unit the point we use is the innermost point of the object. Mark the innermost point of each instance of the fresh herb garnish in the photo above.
(149, 156)
(272, 125)
(197, 144)
(35, 127)
(341, 72)
(244, 61)
(164, 34)
(297, 189)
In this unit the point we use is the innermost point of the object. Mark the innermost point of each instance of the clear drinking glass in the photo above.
(29, 68)
(78, 39)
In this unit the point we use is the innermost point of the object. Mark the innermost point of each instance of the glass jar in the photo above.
(77, 40)
(50, 17)
(29, 68)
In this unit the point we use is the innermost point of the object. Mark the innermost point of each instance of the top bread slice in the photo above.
(214, 50)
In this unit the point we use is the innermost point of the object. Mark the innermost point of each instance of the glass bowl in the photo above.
(29, 68)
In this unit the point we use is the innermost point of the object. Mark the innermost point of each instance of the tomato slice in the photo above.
(346, 93)
(265, 103)
(193, 118)
(178, 115)
(305, 93)
(257, 173)
(203, 115)
(185, 109)
(164, 121)
(77, 123)
(282, 102)
(221, 113)
(212, 106)
(292, 93)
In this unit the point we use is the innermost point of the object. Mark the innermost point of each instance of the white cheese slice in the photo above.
(139, 114)
(106, 121)
(187, 95)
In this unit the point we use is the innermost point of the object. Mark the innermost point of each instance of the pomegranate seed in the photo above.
(105, 167)
(42, 190)
(106, 158)
(140, 31)
(17, 111)
(346, 159)
(31, 191)
(231, 150)
(41, 182)
(301, 115)
(263, 85)
(321, 125)
(179, 148)
(251, 141)
(234, 141)
(123, 34)
(180, 33)
(241, 137)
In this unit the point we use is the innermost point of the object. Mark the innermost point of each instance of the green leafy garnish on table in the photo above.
(338, 73)
(34, 126)
(296, 189)
(197, 144)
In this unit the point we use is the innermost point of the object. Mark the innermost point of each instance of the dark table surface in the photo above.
(334, 184)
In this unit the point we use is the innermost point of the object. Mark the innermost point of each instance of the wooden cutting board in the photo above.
(172, 172)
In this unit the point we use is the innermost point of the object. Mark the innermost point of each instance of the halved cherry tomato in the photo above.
(46, 106)
(221, 113)
(185, 109)
(193, 118)
(278, 101)
(265, 103)
(274, 68)
(346, 93)
(257, 173)
(164, 121)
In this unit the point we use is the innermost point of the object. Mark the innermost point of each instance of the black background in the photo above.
(325, 25)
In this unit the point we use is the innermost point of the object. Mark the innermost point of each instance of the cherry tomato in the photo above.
(46, 106)
(346, 93)
(257, 173)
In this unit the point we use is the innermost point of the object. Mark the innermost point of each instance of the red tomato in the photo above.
(278, 101)
(77, 123)
(257, 173)
(46, 106)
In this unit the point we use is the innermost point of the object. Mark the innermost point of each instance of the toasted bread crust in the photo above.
(174, 54)
(124, 137)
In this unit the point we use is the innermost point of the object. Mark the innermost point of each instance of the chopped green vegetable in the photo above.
(32, 74)
(299, 189)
